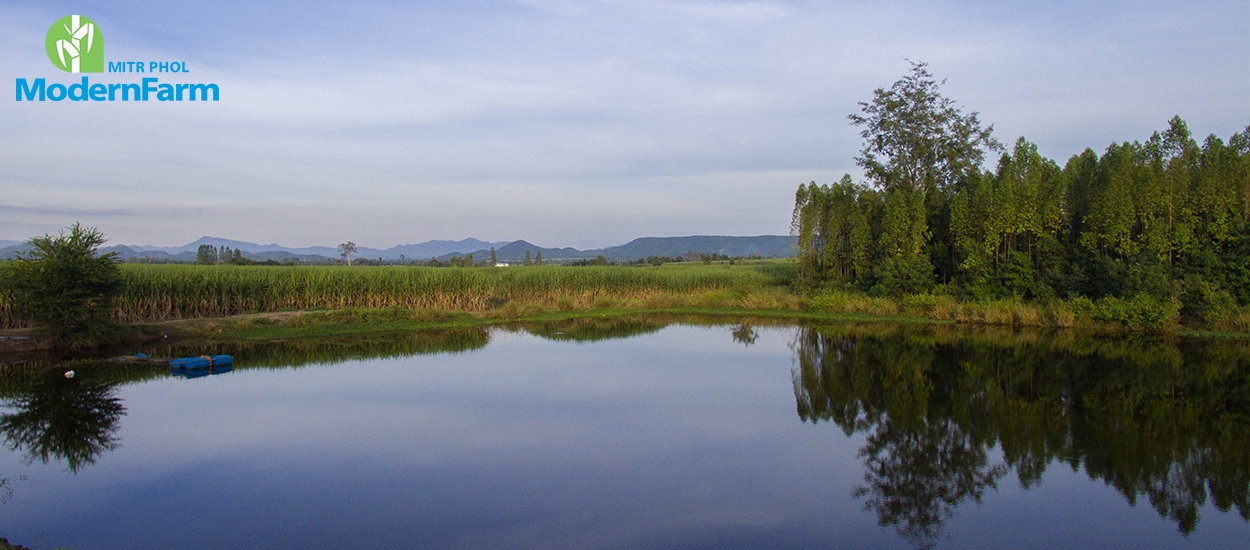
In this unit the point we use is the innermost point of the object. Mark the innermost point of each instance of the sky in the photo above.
(562, 122)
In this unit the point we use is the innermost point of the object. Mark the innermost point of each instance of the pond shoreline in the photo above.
(277, 326)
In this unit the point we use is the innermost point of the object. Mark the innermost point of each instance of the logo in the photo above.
(76, 45)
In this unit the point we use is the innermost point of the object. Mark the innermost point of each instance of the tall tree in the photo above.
(917, 139)
(346, 250)
(206, 254)
(918, 149)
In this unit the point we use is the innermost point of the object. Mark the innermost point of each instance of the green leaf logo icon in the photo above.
(76, 45)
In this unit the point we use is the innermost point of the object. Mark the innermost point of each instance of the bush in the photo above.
(903, 275)
(1140, 311)
(61, 284)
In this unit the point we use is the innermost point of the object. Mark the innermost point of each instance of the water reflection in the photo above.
(324, 351)
(946, 413)
(745, 334)
(594, 329)
(1167, 420)
(55, 418)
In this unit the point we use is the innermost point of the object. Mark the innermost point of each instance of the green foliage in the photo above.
(61, 284)
(1140, 311)
(1211, 303)
(916, 139)
(903, 275)
(1165, 218)
(206, 254)
(835, 236)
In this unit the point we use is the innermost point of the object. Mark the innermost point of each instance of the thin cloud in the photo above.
(580, 123)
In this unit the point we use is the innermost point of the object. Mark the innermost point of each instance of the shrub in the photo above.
(1140, 311)
(61, 284)
(904, 275)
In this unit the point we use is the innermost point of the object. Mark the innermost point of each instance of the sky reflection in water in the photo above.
(574, 435)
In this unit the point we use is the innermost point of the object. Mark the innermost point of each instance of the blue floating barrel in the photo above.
(201, 362)
(190, 363)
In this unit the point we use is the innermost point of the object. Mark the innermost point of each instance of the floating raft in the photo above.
(187, 367)
(202, 362)
(204, 365)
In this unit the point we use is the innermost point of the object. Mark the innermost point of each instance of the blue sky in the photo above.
(563, 122)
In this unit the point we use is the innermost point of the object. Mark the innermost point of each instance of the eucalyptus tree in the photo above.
(346, 250)
(1007, 225)
(832, 223)
(919, 148)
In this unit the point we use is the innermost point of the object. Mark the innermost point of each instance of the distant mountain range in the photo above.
(767, 246)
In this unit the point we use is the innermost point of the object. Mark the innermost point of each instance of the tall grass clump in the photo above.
(839, 301)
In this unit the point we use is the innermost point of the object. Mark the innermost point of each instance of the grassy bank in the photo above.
(255, 302)
(1138, 312)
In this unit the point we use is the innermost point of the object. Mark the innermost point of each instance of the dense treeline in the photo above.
(1166, 219)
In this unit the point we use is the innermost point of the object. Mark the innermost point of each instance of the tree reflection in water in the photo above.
(73, 420)
(1162, 419)
(917, 477)
(745, 334)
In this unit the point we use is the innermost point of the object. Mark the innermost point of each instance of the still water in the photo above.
(640, 433)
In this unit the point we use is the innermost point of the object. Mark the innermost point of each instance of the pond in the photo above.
(641, 432)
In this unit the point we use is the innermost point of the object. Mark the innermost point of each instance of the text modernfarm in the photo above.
(40, 90)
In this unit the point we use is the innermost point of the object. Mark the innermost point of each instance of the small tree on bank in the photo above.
(61, 284)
